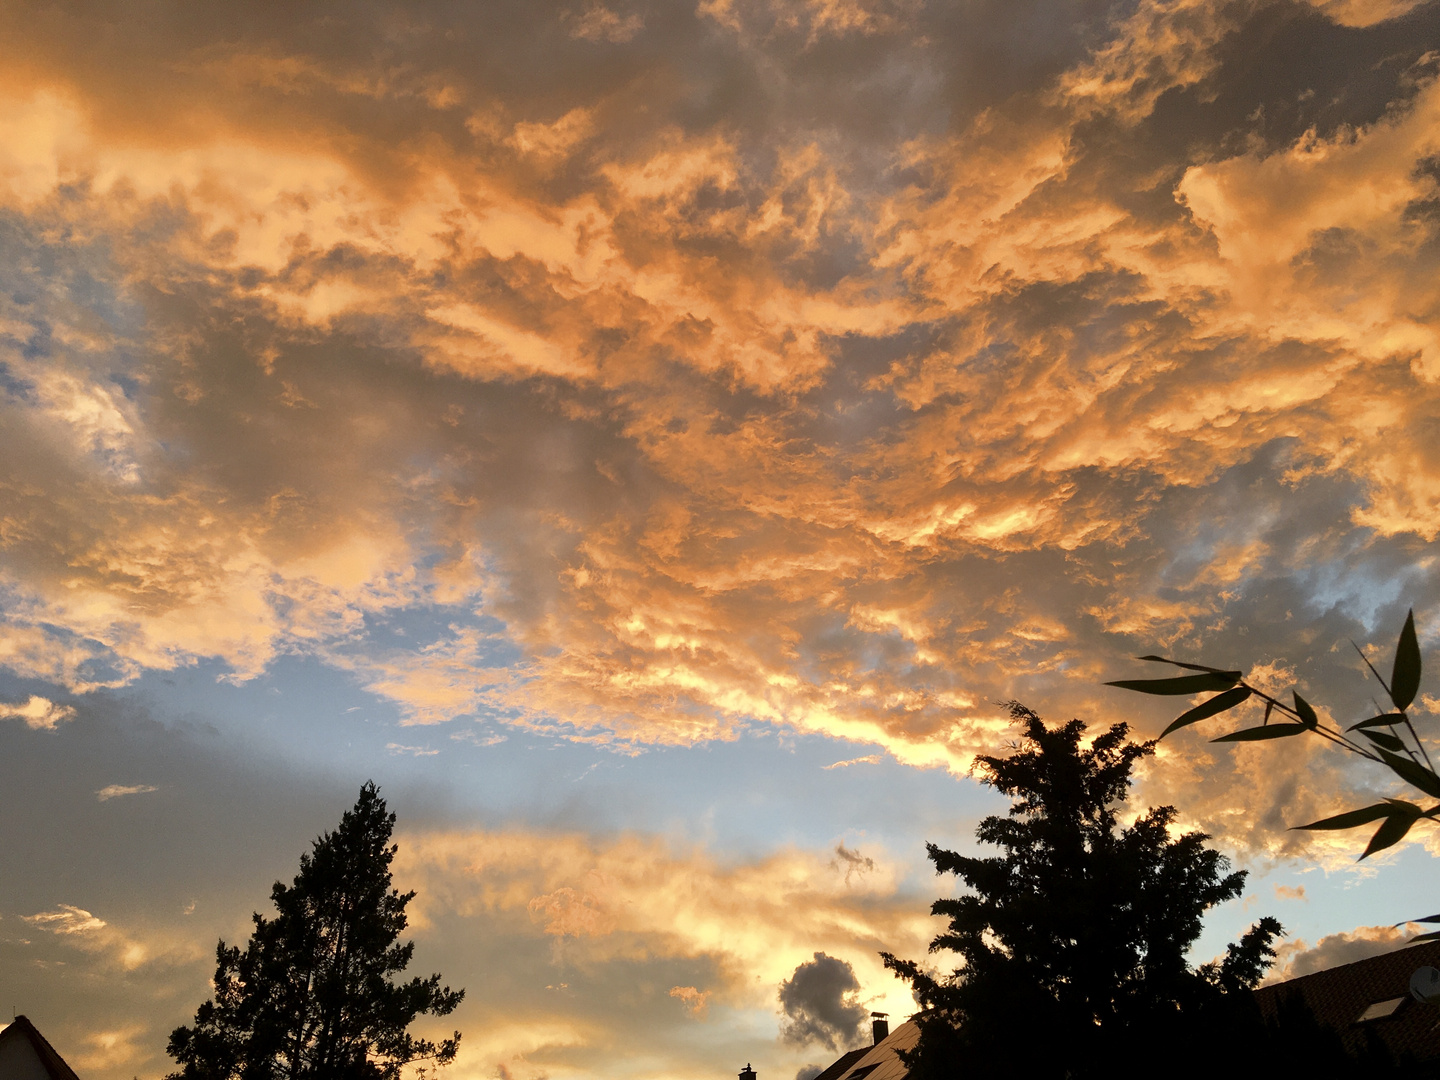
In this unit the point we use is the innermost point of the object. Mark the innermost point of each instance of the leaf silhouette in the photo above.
(1405, 677)
(1206, 709)
(1269, 731)
(1182, 664)
(1412, 773)
(1390, 833)
(1184, 685)
(1385, 739)
(1351, 818)
(1306, 711)
(1389, 719)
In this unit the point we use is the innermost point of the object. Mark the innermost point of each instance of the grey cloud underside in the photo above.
(915, 65)
(188, 864)
(211, 838)
(1283, 70)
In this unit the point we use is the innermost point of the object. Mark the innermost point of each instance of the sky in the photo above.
(651, 439)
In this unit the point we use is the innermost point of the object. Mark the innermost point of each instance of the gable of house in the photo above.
(26, 1055)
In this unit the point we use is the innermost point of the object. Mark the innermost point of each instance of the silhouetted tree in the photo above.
(312, 996)
(1073, 940)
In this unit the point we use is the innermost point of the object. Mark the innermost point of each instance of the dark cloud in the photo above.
(819, 1004)
(852, 862)
(1287, 69)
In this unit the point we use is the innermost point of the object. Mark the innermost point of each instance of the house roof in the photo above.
(1367, 996)
(24, 1052)
(878, 1062)
(842, 1065)
(1370, 996)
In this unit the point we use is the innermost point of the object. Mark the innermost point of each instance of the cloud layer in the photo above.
(592, 946)
(647, 429)
(646, 374)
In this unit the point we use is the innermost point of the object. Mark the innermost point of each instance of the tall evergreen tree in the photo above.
(312, 995)
(1073, 940)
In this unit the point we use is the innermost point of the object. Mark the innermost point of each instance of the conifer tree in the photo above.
(1073, 941)
(312, 996)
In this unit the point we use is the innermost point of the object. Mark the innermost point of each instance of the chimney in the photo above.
(747, 1073)
(879, 1026)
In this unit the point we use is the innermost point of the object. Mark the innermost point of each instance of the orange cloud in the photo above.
(633, 897)
(668, 426)
(567, 909)
(695, 1001)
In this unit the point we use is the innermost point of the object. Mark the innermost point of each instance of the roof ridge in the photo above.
(49, 1057)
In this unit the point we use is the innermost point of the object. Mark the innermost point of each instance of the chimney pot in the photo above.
(879, 1026)
(747, 1073)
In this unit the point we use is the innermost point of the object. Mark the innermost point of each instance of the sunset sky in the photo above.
(650, 438)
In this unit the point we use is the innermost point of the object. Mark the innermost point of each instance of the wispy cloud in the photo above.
(868, 759)
(115, 1049)
(412, 751)
(114, 791)
(38, 713)
(66, 919)
(115, 947)
(89, 933)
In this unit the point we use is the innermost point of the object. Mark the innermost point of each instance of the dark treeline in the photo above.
(1072, 942)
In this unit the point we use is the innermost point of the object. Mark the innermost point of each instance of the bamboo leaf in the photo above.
(1405, 676)
(1183, 685)
(1259, 734)
(1385, 739)
(1428, 918)
(1389, 834)
(1351, 818)
(1182, 664)
(1411, 773)
(1206, 709)
(1389, 719)
(1406, 807)
(1433, 935)
(1307, 713)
